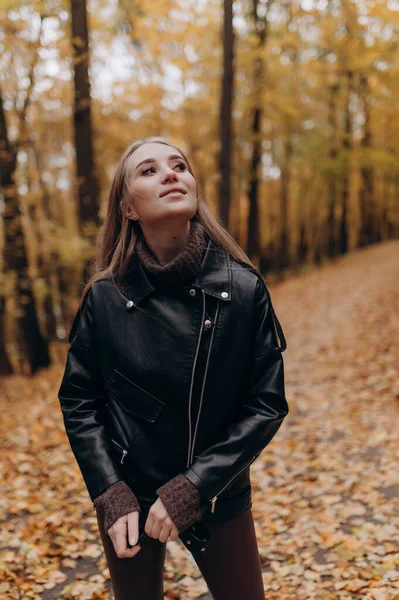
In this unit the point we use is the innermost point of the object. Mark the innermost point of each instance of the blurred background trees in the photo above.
(287, 110)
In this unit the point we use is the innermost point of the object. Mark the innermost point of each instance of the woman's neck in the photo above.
(167, 244)
(184, 267)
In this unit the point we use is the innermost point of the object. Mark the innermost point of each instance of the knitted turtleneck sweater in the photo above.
(180, 497)
(184, 267)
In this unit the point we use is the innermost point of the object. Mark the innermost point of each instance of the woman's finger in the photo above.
(120, 529)
(159, 525)
(164, 533)
(133, 527)
(174, 534)
(156, 529)
(149, 524)
(121, 548)
(118, 534)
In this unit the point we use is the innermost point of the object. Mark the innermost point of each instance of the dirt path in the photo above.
(325, 490)
(327, 499)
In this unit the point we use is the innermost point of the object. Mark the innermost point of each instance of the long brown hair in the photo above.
(117, 236)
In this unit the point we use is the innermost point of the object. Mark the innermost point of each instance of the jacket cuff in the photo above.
(183, 502)
(117, 500)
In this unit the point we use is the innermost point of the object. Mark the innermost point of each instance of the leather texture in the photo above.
(169, 380)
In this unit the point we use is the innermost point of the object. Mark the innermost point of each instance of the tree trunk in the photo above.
(87, 185)
(32, 347)
(260, 24)
(332, 178)
(226, 116)
(347, 145)
(284, 253)
(253, 234)
(5, 364)
(368, 218)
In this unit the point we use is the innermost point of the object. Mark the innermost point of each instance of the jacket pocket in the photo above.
(133, 398)
(122, 452)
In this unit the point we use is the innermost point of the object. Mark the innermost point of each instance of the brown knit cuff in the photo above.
(117, 500)
(182, 501)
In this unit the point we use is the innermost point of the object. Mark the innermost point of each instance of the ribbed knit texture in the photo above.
(117, 500)
(184, 267)
(182, 501)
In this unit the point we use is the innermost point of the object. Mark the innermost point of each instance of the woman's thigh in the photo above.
(231, 564)
(137, 578)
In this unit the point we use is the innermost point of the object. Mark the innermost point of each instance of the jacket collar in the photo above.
(214, 278)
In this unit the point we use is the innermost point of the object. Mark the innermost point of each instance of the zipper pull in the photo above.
(213, 502)
(123, 455)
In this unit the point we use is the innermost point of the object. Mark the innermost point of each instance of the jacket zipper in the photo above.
(192, 376)
(124, 452)
(203, 382)
(213, 500)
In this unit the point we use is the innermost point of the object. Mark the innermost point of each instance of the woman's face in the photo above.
(162, 188)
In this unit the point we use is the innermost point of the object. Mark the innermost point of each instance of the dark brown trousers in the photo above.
(230, 565)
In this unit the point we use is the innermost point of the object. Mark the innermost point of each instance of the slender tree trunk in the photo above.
(303, 246)
(386, 193)
(390, 186)
(349, 13)
(226, 113)
(253, 235)
(260, 24)
(284, 253)
(87, 185)
(368, 218)
(332, 178)
(32, 346)
(5, 364)
(347, 146)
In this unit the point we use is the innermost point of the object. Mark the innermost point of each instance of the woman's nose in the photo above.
(170, 175)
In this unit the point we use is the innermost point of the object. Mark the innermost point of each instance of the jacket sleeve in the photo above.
(83, 404)
(261, 413)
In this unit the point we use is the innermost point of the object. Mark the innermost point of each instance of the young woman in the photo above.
(174, 381)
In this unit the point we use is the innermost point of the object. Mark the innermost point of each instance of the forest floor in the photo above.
(325, 491)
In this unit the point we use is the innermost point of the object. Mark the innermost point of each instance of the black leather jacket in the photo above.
(175, 379)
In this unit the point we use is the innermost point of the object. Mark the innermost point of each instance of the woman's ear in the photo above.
(129, 213)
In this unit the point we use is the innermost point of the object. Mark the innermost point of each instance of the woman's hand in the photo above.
(124, 529)
(159, 525)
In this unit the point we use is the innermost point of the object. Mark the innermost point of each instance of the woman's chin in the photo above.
(180, 211)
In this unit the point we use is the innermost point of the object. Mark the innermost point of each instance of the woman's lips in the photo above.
(173, 191)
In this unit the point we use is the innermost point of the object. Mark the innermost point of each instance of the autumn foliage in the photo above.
(288, 112)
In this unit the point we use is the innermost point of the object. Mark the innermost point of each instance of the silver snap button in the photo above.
(189, 542)
(129, 304)
(225, 295)
(202, 549)
(192, 292)
(208, 323)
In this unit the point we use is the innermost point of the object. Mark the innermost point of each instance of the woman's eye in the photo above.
(182, 166)
(147, 170)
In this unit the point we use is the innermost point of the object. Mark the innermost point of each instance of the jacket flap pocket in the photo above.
(133, 398)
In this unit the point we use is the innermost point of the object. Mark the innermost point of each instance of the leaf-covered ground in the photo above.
(325, 490)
